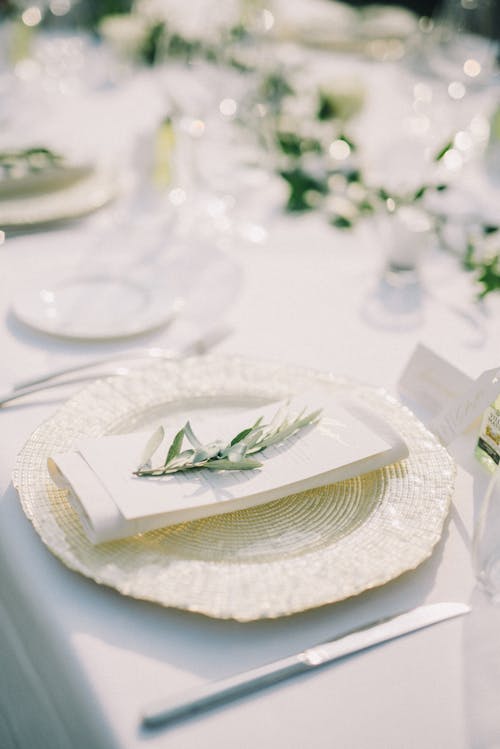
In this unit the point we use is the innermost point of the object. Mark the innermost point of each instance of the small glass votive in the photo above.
(407, 236)
(486, 541)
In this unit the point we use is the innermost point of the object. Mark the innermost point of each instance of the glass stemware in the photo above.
(486, 541)
(213, 177)
(407, 237)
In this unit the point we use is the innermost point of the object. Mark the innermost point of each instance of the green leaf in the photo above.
(182, 458)
(295, 145)
(275, 88)
(150, 49)
(241, 436)
(309, 419)
(178, 46)
(176, 446)
(232, 457)
(383, 194)
(354, 175)
(188, 431)
(278, 418)
(349, 142)
(152, 446)
(489, 276)
(468, 261)
(341, 222)
(444, 150)
(245, 432)
(302, 185)
(255, 438)
(420, 192)
(366, 207)
(327, 107)
(487, 270)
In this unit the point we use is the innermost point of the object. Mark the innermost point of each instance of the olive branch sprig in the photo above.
(234, 455)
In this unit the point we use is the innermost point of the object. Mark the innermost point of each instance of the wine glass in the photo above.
(214, 177)
(486, 541)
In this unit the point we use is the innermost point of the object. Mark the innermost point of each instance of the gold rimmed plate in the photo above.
(293, 554)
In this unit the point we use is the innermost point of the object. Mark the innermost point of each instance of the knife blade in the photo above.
(219, 692)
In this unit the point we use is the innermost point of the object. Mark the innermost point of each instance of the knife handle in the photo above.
(216, 693)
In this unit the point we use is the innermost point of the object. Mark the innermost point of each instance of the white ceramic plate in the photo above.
(25, 212)
(95, 308)
(296, 553)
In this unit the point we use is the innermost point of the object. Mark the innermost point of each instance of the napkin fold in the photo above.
(113, 503)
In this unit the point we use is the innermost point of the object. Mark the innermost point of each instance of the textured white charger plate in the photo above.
(293, 554)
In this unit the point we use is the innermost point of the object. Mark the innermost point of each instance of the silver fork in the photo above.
(58, 377)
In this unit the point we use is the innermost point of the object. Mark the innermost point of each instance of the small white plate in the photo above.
(95, 308)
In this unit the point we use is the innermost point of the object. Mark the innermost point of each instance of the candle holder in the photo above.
(407, 235)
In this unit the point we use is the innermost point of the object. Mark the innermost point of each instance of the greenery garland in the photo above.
(309, 189)
(340, 192)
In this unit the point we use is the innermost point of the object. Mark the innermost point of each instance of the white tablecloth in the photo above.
(79, 661)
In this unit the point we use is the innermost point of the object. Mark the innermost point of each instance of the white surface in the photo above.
(90, 659)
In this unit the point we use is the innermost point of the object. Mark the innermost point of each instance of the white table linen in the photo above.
(79, 661)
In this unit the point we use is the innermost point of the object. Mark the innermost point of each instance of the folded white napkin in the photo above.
(112, 503)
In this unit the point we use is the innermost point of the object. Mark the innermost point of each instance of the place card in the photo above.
(452, 400)
(430, 382)
(467, 407)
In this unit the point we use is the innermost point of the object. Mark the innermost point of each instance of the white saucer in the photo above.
(95, 308)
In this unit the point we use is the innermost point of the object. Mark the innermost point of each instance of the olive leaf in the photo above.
(151, 447)
(175, 447)
(219, 456)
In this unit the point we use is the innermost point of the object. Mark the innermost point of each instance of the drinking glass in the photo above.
(486, 541)
(407, 237)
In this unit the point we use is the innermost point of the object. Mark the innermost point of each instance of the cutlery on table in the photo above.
(58, 378)
(219, 692)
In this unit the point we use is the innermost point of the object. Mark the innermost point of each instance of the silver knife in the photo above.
(219, 692)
